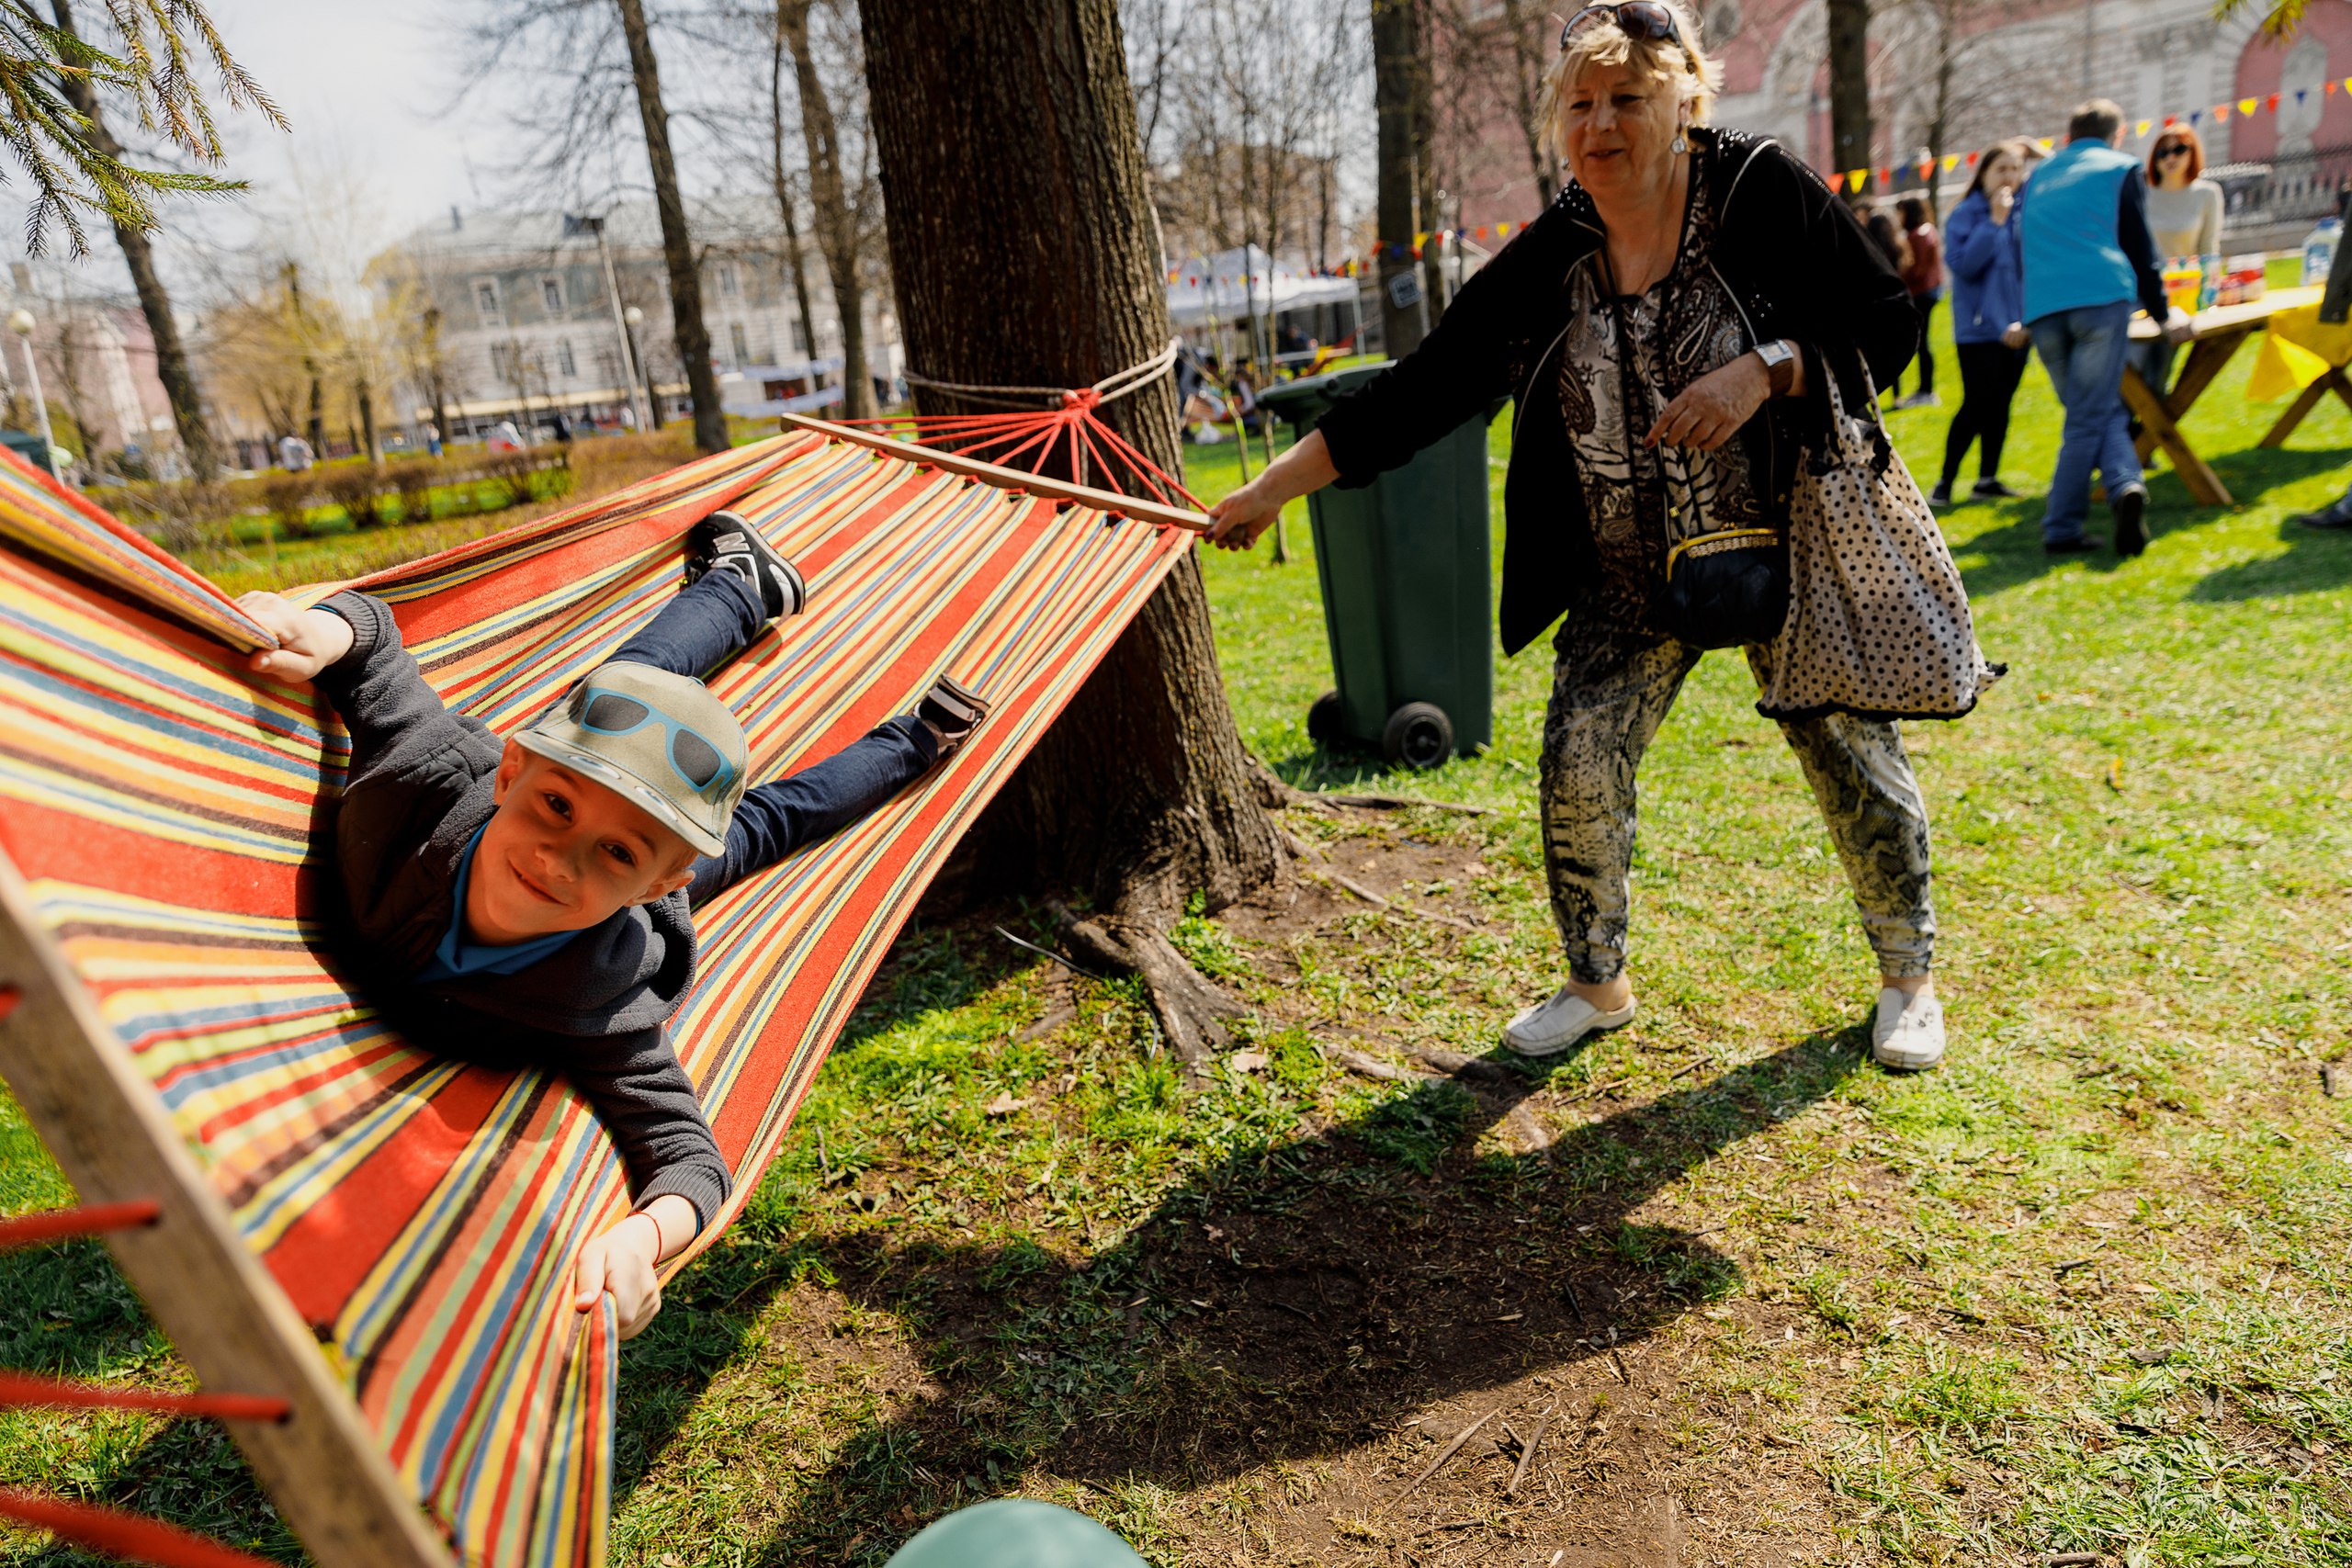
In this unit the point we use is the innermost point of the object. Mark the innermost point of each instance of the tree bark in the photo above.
(1026, 252)
(677, 245)
(795, 256)
(172, 368)
(1528, 64)
(837, 220)
(1849, 86)
(1395, 62)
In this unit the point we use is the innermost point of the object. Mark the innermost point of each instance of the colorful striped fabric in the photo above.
(163, 805)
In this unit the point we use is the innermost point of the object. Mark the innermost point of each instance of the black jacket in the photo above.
(419, 786)
(1793, 257)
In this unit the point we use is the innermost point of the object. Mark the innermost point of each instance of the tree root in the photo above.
(1192, 1012)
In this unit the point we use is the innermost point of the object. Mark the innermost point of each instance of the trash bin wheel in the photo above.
(1327, 721)
(1418, 735)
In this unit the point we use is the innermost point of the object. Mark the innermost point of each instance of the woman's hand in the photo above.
(2001, 201)
(1241, 517)
(2014, 335)
(1711, 410)
(308, 640)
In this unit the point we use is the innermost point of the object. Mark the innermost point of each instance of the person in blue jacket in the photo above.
(2083, 228)
(1987, 320)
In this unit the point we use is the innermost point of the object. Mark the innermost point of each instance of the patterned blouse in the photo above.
(1624, 358)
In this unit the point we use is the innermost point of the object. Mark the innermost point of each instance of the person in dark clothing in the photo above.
(2082, 227)
(1668, 330)
(1923, 275)
(1987, 321)
(527, 902)
(2335, 308)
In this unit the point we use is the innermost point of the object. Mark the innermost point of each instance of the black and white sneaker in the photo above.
(953, 710)
(725, 542)
(1941, 497)
(1993, 489)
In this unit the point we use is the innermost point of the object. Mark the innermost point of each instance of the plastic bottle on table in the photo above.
(2319, 249)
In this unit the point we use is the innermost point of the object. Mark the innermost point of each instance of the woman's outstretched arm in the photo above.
(1251, 510)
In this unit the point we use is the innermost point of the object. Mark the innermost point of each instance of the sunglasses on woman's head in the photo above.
(1634, 18)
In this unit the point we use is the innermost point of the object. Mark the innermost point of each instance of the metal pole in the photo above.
(629, 350)
(40, 407)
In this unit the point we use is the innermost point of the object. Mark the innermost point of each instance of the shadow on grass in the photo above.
(2316, 559)
(2011, 554)
(1295, 1300)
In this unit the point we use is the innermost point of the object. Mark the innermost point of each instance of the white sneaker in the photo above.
(1549, 1028)
(1908, 1034)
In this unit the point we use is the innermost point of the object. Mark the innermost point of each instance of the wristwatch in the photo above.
(1780, 358)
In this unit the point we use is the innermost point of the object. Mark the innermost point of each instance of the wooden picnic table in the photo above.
(2214, 336)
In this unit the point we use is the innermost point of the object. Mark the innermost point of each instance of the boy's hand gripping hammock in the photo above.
(375, 1243)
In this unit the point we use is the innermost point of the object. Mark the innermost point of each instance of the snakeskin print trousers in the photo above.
(1611, 690)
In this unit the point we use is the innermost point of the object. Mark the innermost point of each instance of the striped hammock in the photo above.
(159, 816)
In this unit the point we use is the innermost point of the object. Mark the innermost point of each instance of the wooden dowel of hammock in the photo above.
(102, 1119)
(1011, 478)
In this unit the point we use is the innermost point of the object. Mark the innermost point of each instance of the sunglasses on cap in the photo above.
(1634, 18)
(694, 758)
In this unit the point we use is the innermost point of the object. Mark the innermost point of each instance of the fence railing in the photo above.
(2283, 191)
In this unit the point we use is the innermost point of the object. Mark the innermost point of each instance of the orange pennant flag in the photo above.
(2221, 113)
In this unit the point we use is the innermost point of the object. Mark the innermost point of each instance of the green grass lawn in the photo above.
(2082, 1290)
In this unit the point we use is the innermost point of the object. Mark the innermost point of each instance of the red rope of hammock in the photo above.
(126, 1536)
(59, 1224)
(1093, 452)
(20, 1390)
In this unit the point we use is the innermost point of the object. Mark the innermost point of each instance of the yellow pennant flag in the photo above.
(1951, 161)
(1502, 230)
(2143, 127)
(2247, 106)
(2046, 144)
(1854, 178)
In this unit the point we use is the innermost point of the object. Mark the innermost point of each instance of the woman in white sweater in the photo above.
(2185, 218)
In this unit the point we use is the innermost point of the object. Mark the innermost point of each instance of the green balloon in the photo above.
(1015, 1532)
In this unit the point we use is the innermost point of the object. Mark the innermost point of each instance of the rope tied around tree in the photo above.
(1071, 427)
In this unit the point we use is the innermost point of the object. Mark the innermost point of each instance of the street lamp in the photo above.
(650, 419)
(20, 321)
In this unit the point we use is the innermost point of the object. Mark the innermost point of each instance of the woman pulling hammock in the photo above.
(1681, 332)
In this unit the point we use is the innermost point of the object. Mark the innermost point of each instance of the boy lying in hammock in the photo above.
(527, 902)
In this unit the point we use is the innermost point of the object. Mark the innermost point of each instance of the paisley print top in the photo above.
(1624, 359)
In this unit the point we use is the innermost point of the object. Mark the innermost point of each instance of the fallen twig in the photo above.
(1046, 953)
(1450, 1449)
(1397, 802)
(1527, 1455)
(1373, 1067)
(1369, 896)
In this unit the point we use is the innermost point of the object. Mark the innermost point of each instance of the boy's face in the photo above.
(561, 852)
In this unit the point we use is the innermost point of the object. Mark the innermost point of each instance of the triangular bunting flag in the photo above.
(1502, 230)
(2142, 130)
(1854, 178)
(2171, 120)
(2221, 114)
(2272, 102)
(1951, 161)
(2045, 144)
(2194, 115)
(1972, 160)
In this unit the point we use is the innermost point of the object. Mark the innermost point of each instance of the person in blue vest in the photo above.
(2090, 260)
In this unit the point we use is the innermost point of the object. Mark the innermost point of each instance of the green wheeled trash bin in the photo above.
(1406, 591)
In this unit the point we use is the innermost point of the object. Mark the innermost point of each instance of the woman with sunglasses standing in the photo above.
(2185, 219)
(1670, 329)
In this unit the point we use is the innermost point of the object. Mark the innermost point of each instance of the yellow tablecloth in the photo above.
(2297, 351)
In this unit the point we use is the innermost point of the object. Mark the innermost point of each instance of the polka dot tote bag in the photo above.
(1878, 619)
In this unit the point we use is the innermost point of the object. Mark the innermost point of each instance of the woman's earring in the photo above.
(1681, 144)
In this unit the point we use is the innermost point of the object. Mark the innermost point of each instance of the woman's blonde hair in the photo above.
(1696, 76)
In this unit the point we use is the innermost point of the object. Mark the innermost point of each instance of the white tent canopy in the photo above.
(1216, 289)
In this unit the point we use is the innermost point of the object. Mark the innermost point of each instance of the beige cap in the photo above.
(660, 741)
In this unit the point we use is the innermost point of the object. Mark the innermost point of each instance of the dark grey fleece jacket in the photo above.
(419, 786)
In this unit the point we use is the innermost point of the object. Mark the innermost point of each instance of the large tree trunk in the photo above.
(837, 220)
(1026, 252)
(1395, 66)
(1849, 85)
(172, 367)
(1529, 62)
(677, 245)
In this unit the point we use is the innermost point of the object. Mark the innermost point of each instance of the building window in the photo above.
(551, 295)
(486, 302)
(501, 361)
(800, 343)
(741, 345)
(727, 285)
(564, 361)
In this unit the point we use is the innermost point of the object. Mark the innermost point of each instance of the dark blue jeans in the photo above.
(701, 629)
(2083, 350)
